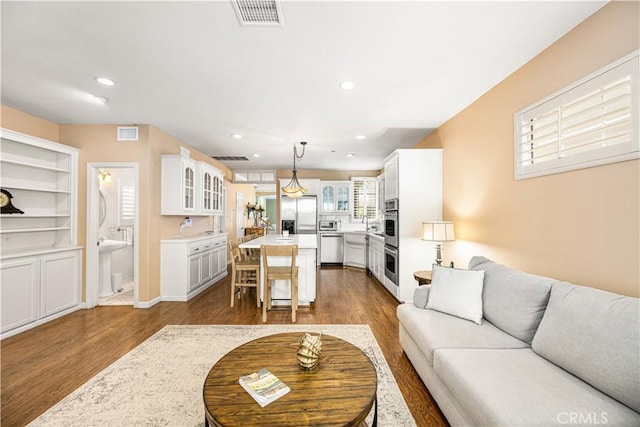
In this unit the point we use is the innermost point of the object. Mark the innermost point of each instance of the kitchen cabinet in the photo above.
(189, 266)
(336, 196)
(376, 257)
(189, 187)
(40, 261)
(381, 199)
(354, 250)
(391, 189)
(414, 177)
(38, 288)
(178, 185)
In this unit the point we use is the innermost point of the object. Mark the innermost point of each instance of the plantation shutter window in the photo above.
(593, 122)
(127, 203)
(365, 198)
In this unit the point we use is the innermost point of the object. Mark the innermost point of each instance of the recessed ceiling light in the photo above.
(360, 137)
(236, 136)
(350, 155)
(256, 155)
(105, 81)
(347, 85)
(100, 99)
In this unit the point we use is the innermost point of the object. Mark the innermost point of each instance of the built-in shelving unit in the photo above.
(40, 260)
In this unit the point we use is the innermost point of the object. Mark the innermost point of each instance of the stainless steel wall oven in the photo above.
(391, 225)
(391, 264)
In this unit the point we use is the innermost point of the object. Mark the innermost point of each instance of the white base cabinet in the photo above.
(38, 288)
(376, 257)
(355, 250)
(191, 265)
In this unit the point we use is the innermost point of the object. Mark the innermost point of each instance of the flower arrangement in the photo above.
(254, 210)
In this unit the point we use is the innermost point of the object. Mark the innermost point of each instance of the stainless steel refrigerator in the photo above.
(303, 211)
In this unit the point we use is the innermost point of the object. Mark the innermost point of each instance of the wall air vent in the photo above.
(258, 12)
(231, 158)
(127, 133)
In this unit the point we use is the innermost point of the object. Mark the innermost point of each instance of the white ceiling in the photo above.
(191, 70)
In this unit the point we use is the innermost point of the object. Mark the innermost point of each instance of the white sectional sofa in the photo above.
(545, 353)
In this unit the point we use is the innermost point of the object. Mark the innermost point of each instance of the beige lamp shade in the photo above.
(438, 231)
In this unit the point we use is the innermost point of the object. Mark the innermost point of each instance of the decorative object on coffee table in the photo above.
(309, 351)
(342, 390)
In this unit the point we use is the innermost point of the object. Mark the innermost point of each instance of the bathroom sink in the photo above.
(106, 247)
(111, 245)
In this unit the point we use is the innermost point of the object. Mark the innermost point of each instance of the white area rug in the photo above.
(159, 383)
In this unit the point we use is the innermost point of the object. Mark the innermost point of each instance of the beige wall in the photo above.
(97, 143)
(16, 120)
(580, 226)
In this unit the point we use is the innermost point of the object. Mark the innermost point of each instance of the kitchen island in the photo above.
(306, 262)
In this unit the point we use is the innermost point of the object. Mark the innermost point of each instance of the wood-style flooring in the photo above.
(44, 364)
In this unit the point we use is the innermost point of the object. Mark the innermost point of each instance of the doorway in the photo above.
(112, 234)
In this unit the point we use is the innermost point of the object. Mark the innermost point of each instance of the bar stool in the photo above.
(248, 253)
(283, 271)
(245, 273)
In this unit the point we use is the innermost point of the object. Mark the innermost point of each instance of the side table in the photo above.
(423, 277)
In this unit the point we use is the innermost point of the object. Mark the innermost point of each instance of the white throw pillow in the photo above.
(457, 292)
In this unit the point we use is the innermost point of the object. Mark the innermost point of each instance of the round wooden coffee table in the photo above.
(341, 391)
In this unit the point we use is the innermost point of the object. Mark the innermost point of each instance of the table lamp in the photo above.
(438, 231)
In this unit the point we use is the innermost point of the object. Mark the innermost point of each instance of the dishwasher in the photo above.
(331, 248)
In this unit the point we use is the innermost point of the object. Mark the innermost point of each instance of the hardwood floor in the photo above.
(44, 364)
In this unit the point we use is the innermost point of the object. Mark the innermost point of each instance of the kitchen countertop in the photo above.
(195, 238)
(304, 241)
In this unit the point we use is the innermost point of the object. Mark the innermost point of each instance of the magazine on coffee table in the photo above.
(264, 387)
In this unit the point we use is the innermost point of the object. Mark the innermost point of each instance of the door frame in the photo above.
(93, 230)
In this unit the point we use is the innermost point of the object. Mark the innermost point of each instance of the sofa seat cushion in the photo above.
(432, 330)
(513, 300)
(517, 387)
(595, 335)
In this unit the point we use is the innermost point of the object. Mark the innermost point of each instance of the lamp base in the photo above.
(439, 254)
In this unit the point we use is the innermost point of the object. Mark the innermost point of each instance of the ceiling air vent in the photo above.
(231, 158)
(258, 12)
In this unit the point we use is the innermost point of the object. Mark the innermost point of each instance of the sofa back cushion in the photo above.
(595, 335)
(513, 300)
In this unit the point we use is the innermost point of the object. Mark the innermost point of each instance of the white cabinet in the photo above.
(376, 257)
(391, 189)
(189, 266)
(178, 184)
(336, 196)
(211, 183)
(354, 250)
(39, 288)
(414, 177)
(40, 261)
(190, 187)
(381, 198)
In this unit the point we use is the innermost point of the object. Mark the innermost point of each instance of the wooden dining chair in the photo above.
(245, 273)
(284, 268)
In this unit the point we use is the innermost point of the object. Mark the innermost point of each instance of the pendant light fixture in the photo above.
(294, 188)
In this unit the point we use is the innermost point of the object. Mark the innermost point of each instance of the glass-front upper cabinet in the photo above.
(190, 187)
(336, 196)
(328, 198)
(342, 197)
(178, 182)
